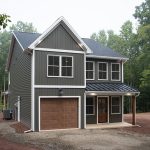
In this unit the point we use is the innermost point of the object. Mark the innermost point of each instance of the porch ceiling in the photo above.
(111, 88)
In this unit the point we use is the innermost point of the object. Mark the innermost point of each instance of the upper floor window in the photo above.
(115, 71)
(103, 71)
(115, 105)
(59, 66)
(89, 70)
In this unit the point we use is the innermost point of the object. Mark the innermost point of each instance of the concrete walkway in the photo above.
(108, 125)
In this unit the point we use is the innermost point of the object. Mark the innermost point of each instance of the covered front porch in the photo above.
(105, 104)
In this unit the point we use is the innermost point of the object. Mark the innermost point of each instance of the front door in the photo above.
(102, 109)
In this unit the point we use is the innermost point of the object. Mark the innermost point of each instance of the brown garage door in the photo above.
(59, 113)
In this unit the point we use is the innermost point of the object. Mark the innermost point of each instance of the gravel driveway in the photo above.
(89, 139)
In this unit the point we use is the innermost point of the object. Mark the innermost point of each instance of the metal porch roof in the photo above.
(110, 87)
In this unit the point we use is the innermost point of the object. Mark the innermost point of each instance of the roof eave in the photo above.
(108, 57)
(126, 93)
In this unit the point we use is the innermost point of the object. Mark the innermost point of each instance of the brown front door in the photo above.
(102, 109)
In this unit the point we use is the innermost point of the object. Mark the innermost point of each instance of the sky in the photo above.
(85, 16)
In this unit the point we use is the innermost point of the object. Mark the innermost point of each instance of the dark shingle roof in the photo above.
(110, 87)
(26, 39)
(100, 50)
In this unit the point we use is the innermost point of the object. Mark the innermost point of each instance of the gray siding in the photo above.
(41, 70)
(54, 92)
(96, 61)
(20, 83)
(60, 39)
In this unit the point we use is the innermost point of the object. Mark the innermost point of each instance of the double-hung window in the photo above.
(89, 70)
(90, 106)
(59, 66)
(103, 71)
(115, 71)
(115, 105)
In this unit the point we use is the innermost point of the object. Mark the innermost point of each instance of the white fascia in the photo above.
(50, 29)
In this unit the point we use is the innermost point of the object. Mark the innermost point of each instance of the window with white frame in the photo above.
(59, 66)
(89, 70)
(90, 106)
(115, 105)
(102, 71)
(115, 71)
(66, 66)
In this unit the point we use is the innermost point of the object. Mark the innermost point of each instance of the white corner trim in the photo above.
(60, 86)
(79, 109)
(122, 72)
(50, 29)
(18, 41)
(32, 92)
(59, 50)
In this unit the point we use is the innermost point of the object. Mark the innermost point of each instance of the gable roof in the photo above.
(70, 30)
(100, 51)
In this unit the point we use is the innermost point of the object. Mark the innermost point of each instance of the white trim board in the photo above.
(60, 86)
(59, 50)
(33, 91)
(79, 110)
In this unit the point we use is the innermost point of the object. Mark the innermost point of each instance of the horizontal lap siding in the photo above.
(54, 92)
(20, 83)
(41, 70)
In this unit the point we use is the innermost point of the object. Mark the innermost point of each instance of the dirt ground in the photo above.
(133, 138)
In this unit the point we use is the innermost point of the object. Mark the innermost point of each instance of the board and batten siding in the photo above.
(20, 83)
(96, 61)
(55, 92)
(59, 38)
(41, 70)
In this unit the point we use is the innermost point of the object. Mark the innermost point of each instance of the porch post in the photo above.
(133, 110)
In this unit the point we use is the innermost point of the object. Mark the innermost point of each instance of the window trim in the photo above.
(106, 71)
(60, 66)
(116, 105)
(91, 70)
(91, 105)
(115, 71)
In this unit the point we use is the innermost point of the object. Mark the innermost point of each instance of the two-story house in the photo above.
(58, 80)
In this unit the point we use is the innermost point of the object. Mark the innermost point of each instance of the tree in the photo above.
(4, 19)
(101, 37)
(23, 27)
(5, 39)
(142, 13)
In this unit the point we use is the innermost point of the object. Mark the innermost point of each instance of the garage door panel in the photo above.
(59, 113)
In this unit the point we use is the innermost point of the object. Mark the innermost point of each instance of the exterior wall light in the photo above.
(60, 92)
